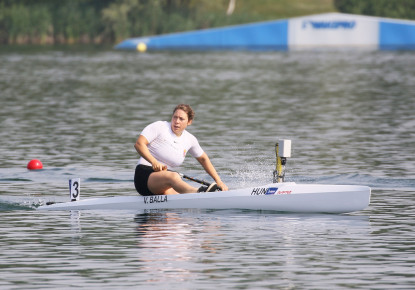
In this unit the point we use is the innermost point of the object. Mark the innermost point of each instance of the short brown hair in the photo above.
(187, 109)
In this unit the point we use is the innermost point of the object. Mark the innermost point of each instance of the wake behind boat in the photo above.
(277, 196)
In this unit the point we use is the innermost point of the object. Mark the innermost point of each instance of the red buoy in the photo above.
(34, 164)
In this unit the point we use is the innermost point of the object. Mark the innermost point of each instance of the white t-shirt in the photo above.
(168, 148)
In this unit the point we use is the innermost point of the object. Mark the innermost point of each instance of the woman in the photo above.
(164, 145)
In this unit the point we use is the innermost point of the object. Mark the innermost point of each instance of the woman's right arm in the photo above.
(141, 145)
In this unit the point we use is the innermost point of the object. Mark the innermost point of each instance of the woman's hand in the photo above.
(157, 166)
(141, 145)
(222, 186)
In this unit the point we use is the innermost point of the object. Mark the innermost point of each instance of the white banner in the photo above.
(333, 30)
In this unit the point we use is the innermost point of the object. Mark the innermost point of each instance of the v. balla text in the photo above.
(155, 199)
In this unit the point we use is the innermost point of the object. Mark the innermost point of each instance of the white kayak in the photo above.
(281, 197)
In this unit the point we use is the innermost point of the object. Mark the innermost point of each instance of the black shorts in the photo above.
(142, 172)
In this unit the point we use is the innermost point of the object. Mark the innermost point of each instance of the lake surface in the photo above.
(349, 114)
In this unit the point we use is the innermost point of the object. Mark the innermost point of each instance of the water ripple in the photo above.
(349, 115)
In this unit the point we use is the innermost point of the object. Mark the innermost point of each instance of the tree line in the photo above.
(404, 9)
(110, 21)
(106, 21)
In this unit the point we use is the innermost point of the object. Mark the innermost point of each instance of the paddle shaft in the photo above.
(192, 179)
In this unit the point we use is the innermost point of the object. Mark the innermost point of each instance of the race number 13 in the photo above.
(74, 188)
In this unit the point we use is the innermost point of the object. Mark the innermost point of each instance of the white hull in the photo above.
(283, 197)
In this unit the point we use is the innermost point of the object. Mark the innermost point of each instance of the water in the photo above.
(348, 114)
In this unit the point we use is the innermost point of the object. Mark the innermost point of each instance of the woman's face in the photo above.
(179, 122)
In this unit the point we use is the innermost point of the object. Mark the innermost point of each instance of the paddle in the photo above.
(210, 186)
(193, 179)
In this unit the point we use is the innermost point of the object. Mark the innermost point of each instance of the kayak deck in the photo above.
(283, 197)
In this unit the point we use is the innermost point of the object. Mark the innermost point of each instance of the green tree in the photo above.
(382, 8)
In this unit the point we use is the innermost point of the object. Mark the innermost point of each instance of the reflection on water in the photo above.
(164, 246)
(242, 244)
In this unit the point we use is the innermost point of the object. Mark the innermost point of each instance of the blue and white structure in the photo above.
(330, 30)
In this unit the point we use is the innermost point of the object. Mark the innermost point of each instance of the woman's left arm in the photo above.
(208, 166)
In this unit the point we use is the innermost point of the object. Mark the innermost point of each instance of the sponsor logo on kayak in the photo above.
(268, 191)
(155, 198)
(329, 24)
(271, 190)
(263, 190)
